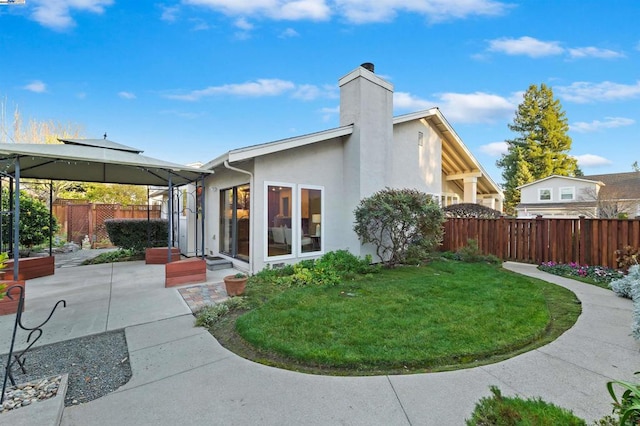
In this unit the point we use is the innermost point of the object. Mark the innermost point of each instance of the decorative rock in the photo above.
(24, 394)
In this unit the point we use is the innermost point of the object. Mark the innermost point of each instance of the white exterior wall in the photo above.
(221, 180)
(319, 164)
(583, 190)
(414, 166)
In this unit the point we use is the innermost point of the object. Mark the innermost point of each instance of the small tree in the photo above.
(541, 146)
(399, 222)
(34, 220)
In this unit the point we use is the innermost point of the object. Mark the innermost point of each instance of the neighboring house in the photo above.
(603, 196)
(292, 199)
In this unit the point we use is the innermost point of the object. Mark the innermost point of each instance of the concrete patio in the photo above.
(181, 375)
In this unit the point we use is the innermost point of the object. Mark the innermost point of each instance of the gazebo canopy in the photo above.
(90, 160)
(93, 160)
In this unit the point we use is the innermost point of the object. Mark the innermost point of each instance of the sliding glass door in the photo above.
(234, 221)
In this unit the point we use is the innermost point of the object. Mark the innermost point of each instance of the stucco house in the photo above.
(604, 196)
(283, 201)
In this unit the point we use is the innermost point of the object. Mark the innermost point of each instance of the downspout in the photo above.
(251, 244)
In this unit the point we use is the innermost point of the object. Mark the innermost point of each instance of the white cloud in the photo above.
(243, 24)
(127, 95)
(199, 24)
(258, 88)
(182, 114)
(475, 107)
(329, 113)
(307, 92)
(591, 160)
(584, 92)
(169, 13)
(494, 149)
(527, 46)
(357, 11)
(262, 87)
(36, 86)
(288, 33)
(608, 123)
(57, 14)
(274, 9)
(403, 100)
(594, 52)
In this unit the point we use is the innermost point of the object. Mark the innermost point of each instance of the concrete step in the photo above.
(215, 263)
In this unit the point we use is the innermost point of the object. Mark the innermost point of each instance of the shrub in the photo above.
(498, 410)
(120, 255)
(35, 225)
(627, 257)
(629, 286)
(209, 315)
(329, 270)
(345, 263)
(399, 221)
(138, 234)
(471, 210)
(623, 286)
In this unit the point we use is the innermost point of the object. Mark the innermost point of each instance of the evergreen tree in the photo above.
(541, 147)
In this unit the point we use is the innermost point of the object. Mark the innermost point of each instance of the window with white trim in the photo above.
(544, 194)
(568, 193)
(279, 202)
(294, 220)
(311, 219)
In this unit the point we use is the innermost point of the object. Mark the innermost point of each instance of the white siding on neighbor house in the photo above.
(583, 190)
(414, 166)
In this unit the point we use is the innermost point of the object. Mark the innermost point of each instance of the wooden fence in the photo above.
(79, 219)
(584, 241)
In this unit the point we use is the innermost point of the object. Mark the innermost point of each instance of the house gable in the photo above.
(559, 189)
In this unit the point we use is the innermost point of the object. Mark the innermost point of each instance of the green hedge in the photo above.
(138, 234)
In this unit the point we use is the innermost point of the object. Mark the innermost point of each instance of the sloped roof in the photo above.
(93, 160)
(621, 186)
(456, 158)
(253, 151)
(573, 178)
(101, 143)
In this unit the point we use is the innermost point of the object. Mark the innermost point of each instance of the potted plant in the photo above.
(235, 284)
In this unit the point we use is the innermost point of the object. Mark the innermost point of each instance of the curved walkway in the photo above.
(181, 375)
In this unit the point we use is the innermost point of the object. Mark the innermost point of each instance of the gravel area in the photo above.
(97, 365)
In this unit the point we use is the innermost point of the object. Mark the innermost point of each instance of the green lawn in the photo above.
(443, 316)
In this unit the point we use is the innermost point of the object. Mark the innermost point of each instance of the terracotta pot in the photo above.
(235, 286)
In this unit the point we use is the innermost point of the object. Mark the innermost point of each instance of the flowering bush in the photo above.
(629, 286)
(598, 274)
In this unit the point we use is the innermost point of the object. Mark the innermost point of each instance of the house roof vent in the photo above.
(368, 66)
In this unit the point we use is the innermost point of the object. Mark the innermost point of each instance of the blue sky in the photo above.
(189, 80)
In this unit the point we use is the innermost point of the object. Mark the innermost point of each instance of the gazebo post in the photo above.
(202, 204)
(16, 221)
(170, 208)
(50, 218)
